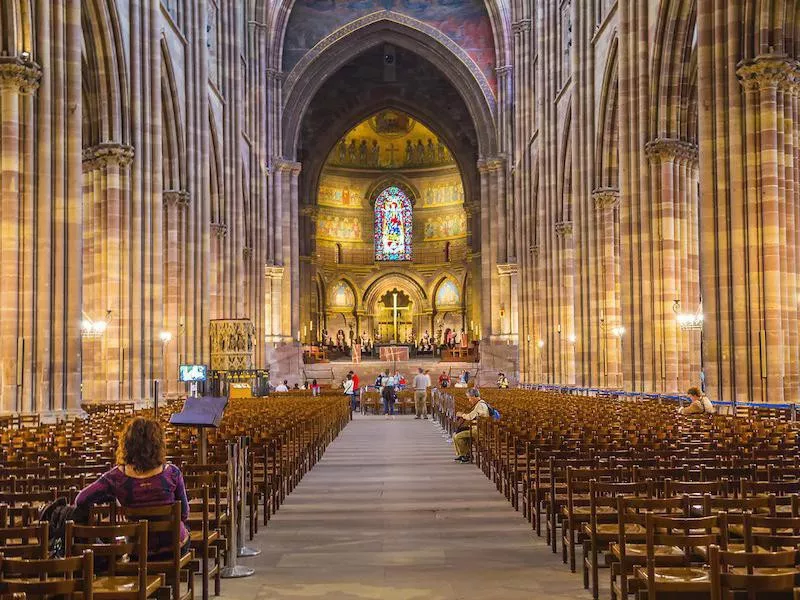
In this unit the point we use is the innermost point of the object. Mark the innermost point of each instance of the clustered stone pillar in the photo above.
(18, 81)
(565, 327)
(105, 179)
(176, 203)
(494, 246)
(524, 224)
(770, 86)
(606, 202)
(273, 301)
(673, 173)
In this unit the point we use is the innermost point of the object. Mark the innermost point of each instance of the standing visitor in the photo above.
(444, 380)
(283, 387)
(348, 390)
(356, 388)
(388, 395)
(502, 381)
(421, 382)
(314, 388)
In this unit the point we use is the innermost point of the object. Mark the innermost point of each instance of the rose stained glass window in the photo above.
(393, 225)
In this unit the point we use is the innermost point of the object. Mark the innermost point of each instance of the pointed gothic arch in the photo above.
(276, 17)
(173, 137)
(104, 75)
(328, 56)
(606, 172)
(16, 27)
(671, 86)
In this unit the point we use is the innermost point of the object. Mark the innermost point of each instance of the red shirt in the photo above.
(355, 382)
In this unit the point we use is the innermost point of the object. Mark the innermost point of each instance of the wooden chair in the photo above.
(755, 574)
(177, 567)
(42, 579)
(684, 573)
(30, 541)
(205, 539)
(628, 549)
(119, 550)
(602, 528)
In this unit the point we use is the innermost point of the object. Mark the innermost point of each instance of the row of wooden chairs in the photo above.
(591, 471)
(41, 463)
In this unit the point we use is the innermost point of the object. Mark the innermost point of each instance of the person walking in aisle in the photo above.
(421, 383)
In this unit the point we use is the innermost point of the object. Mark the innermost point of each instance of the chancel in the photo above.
(501, 281)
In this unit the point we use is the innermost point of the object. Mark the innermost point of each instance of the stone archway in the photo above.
(376, 308)
(388, 27)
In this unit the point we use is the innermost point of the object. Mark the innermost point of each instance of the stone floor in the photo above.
(388, 515)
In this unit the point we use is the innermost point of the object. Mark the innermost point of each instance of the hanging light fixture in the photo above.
(688, 321)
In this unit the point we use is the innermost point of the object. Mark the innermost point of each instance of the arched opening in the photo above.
(390, 194)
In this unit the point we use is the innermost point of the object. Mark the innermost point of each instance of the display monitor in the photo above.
(190, 373)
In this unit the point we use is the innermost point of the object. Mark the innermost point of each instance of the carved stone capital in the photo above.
(273, 272)
(564, 228)
(275, 74)
(19, 76)
(534, 250)
(283, 165)
(507, 269)
(662, 149)
(219, 229)
(175, 198)
(247, 253)
(604, 198)
(521, 26)
(504, 70)
(107, 154)
(312, 212)
(769, 71)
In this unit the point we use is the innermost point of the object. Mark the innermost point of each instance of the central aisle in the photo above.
(387, 514)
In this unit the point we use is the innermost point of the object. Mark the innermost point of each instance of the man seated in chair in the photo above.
(699, 403)
(462, 440)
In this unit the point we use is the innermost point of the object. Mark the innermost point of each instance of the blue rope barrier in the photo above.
(669, 397)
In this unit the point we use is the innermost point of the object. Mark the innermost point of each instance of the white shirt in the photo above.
(481, 409)
(281, 388)
(421, 382)
(348, 386)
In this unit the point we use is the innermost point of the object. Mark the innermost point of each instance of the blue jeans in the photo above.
(388, 407)
(353, 401)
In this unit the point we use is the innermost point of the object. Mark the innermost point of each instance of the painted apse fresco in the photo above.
(466, 22)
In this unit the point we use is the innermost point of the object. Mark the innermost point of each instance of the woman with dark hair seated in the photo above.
(141, 478)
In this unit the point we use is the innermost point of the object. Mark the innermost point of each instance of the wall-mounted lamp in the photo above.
(688, 321)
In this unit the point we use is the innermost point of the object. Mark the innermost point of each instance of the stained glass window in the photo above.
(393, 225)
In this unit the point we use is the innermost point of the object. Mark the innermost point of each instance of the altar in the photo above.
(394, 353)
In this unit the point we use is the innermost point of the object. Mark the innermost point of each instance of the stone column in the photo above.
(770, 83)
(176, 203)
(294, 175)
(17, 79)
(106, 177)
(486, 252)
(219, 233)
(606, 202)
(566, 295)
(509, 284)
(273, 302)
